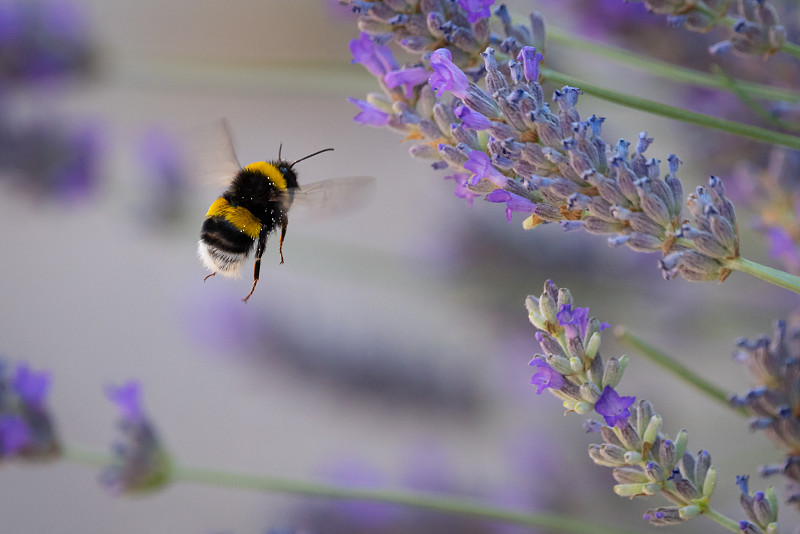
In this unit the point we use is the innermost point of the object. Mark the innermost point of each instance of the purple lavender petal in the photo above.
(446, 75)
(462, 189)
(128, 399)
(476, 9)
(482, 169)
(31, 386)
(410, 78)
(612, 407)
(377, 59)
(545, 376)
(370, 114)
(472, 119)
(14, 434)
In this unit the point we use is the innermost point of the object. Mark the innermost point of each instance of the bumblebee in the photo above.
(255, 204)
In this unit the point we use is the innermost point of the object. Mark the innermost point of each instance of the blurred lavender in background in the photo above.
(44, 47)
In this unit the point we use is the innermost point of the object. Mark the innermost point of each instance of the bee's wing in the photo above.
(213, 158)
(336, 194)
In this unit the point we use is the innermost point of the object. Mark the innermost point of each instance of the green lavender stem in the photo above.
(675, 367)
(720, 519)
(634, 102)
(768, 274)
(418, 500)
(669, 71)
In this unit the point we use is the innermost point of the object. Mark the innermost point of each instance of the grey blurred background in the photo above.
(392, 346)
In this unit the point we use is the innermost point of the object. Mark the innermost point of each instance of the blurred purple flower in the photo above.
(25, 426)
(139, 463)
(42, 41)
(612, 407)
(49, 159)
(165, 168)
(128, 400)
(783, 247)
(15, 434)
(31, 386)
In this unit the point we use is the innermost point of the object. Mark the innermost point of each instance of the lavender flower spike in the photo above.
(26, 428)
(140, 464)
(774, 402)
(645, 461)
(551, 165)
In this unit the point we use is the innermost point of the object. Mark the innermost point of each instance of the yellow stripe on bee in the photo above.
(270, 171)
(238, 216)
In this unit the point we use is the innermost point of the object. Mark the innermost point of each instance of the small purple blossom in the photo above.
(42, 41)
(612, 407)
(446, 75)
(472, 119)
(545, 376)
(410, 78)
(15, 434)
(482, 169)
(139, 462)
(462, 189)
(476, 9)
(513, 202)
(370, 114)
(31, 386)
(783, 247)
(530, 62)
(128, 399)
(377, 59)
(574, 320)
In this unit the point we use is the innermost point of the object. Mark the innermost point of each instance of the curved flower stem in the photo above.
(792, 49)
(768, 274)
(744, 130)
(418, 500)
(720, 519)
(667, 70)
(672, 365)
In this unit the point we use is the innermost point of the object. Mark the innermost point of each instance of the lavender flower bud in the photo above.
(654, 472)
(424, 151)
(629, 437)
(612, 373)
(669, 515)
(666, 454)
(454, 157)
(590, 392)
(629, 475)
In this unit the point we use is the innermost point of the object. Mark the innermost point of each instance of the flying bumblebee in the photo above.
(255, 204)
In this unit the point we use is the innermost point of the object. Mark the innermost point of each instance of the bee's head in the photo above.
(288, 174)
(287, 169)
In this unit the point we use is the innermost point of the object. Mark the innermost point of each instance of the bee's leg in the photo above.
(262, 243)
(284, 224)
(209, 276)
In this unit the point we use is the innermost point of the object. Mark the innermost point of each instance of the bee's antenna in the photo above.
(309, 156)
(280, 147)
